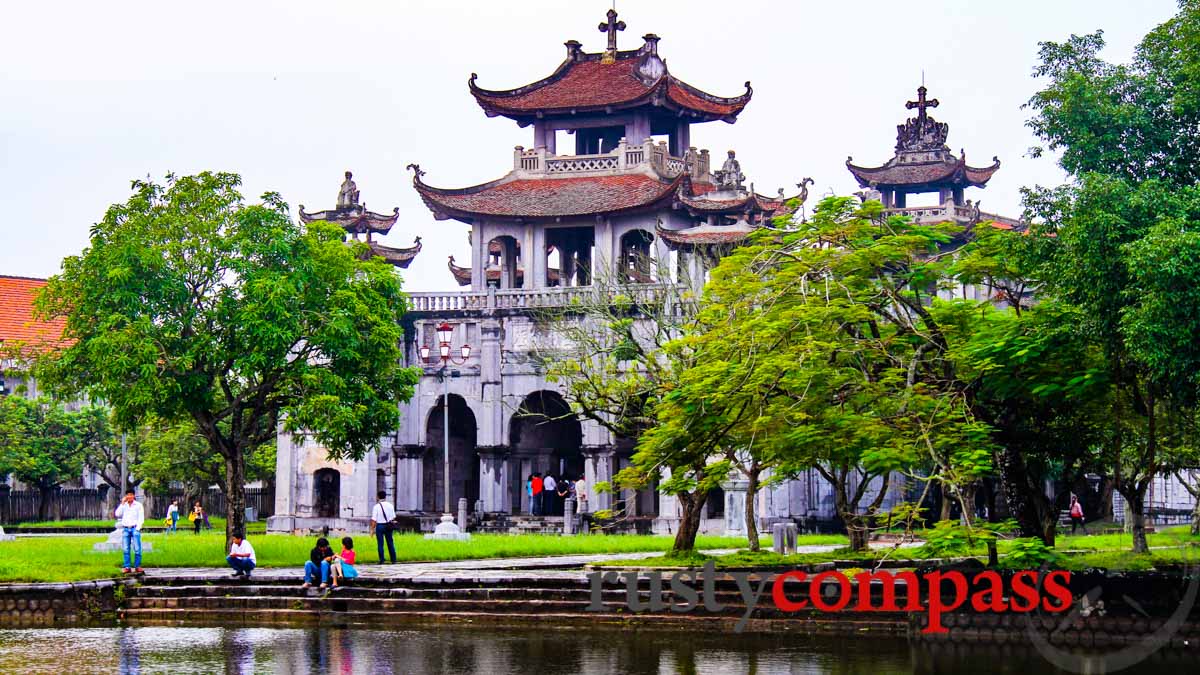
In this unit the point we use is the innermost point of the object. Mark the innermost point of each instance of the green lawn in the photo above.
(71, 558)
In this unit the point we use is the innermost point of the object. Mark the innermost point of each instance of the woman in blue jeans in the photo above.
(317, 566)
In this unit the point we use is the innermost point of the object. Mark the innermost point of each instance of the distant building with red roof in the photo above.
(21, 334)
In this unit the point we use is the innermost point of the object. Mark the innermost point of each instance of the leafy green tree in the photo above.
(42, 444)
(190, 304)
(1127, 251)
(1135, 121)
(179, 453)
(817, 347)
(1043, 391)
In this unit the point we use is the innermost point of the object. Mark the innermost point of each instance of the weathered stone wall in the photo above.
(46, 604)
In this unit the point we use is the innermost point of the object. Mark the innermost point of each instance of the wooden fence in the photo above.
(21, 506)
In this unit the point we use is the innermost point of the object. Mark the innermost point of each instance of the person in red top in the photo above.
(536, 487)
(343, 563)
(1077, 515)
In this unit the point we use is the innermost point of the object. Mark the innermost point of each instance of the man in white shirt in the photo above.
(130, 517)
(241, 556)
(549, 495)
(382, 517)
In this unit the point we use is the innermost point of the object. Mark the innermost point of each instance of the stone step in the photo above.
(295, 591)
(340, 602)
(826, 624)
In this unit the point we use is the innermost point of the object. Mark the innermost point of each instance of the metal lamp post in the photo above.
(447, 529)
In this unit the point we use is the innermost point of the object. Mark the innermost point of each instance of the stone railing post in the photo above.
(462, 514)
(621, 163)
(518, 152)
(569, 516)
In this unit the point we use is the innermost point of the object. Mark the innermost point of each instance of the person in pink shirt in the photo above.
(343, 563)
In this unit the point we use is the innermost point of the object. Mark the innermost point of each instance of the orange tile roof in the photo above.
(17, 324)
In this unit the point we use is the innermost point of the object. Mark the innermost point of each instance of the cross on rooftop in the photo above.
(921, 104)
(611, 27)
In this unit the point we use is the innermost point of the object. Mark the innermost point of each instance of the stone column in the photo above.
(667, 521)
(508, 263)
(409, 476)
(491, 409)
(598, 468)
(535, 260)
(493, 480)
(569, 516)
(735, 505)
(479, 256)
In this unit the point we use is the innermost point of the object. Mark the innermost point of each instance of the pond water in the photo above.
(469, 651)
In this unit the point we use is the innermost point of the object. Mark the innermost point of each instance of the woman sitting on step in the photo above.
(317, 565)
(343, 563)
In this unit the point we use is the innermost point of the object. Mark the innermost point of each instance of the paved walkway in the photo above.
(558, 566)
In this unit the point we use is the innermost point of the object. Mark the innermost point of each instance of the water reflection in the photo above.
(490, 652)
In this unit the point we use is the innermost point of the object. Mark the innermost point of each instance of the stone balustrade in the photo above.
(539, 162)
(521, 298)
(950, 212)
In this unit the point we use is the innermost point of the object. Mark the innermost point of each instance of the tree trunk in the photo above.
(945, 514)
(966, 499)
(1196, 517)
(1137, 511)
(751, 520)
(858, 531)
(235, 495)
(689, 522)
(44, 503)
(1027, 503)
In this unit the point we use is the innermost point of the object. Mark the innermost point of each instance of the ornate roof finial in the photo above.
(921, 103)
(416, 169)
(611, 27)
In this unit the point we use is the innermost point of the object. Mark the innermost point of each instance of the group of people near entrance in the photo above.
(198, 517)
(547, 494)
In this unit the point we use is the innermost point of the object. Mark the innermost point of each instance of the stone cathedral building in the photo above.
(609, 186)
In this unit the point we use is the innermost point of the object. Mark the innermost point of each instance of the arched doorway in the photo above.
(546, 437)
(327, 493)
(636, 263)
(464, 462)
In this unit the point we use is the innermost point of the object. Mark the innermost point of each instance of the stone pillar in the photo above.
(597, 468)
(569, 516)
(508, 263)
(669, 513)
(479, 257)
(494, 481)
(462, 514)
(409, 476)
(735, 505)
(490, 416)
(535, 260)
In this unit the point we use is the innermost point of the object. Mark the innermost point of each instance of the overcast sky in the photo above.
(290, 94)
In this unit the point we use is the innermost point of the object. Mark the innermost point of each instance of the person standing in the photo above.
(1077, 515)
(130, 516)
(529, 491)
(536, 488)
(197, 517)
(173, 514)
(581, 497)
(549, 504)
(383, 524)
(241, 556)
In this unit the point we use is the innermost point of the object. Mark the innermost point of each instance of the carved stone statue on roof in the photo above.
(730, 175)
(348, 194)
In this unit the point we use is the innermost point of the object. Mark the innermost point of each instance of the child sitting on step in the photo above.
(343, 563)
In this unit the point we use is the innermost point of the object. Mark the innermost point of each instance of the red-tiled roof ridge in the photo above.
(550, 197)
(583, 82)
(917, 173)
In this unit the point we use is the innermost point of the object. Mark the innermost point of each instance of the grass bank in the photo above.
(70, 558)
